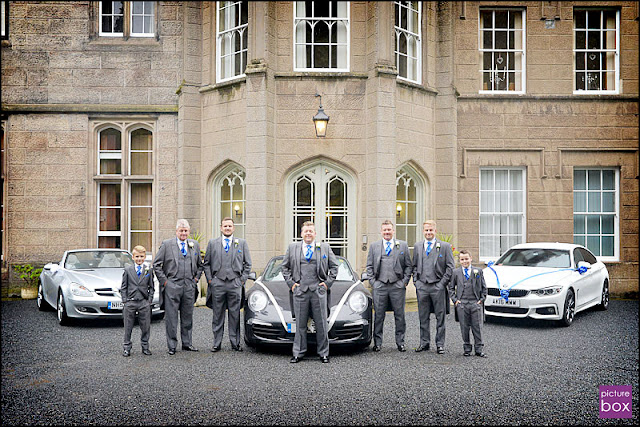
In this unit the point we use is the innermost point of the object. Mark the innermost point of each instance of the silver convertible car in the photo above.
(550, 281)
(86, 284)
(269, 318)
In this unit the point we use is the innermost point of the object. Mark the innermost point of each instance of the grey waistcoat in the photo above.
(309, 273)
(428, 274)
(387, 275)
(226, 272)
(467, 289)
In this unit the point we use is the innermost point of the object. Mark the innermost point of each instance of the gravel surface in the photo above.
(535, 373)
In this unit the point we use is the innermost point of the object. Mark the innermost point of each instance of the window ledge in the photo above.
(519, 97)
(133, 43)
(321, 75)
(232, 82)
(417, 86)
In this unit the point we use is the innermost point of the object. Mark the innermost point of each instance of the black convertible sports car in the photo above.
(269, 318)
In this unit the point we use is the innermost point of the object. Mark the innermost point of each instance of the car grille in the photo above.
(271, 332)
(106, 292)
(346, 332)
(513, 293)
(501, 309)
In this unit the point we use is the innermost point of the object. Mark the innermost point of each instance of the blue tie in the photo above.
(388, 250)
(466, 273)
(226, 245)
(428, 248)
(309, 253)
(138, 268)
(183, 250)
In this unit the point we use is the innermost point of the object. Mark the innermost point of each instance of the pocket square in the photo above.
(147, 275)
(239, 250)
(401, 253)
(439, 256)
(324, 256)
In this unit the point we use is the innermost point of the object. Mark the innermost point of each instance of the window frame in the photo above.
(153, 19)
(418, 37)
(616, 214)
(296, 20)
(419, 204)
(616, 51)
(523, 229)
(219, 35)
(219, 180)
(127, 21)
(523, 50)
(4, 35)
(130, 231)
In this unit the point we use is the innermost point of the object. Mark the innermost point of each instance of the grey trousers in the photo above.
(314, 302)
(431, 298)
(227, 297)
(143, 307)
(382, 295)
(179, 298)
(470, 316)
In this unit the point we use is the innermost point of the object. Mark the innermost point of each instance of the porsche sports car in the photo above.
(269, 317)
(550, 281)
(86, 284)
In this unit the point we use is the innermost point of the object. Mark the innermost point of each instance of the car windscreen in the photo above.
(536, 257)
(273, 272)
(83, 260)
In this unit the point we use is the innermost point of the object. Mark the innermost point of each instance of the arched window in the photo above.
(325, 194)
(409, 205)
(229, 199)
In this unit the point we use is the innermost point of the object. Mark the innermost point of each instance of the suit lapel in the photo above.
(176, 251)
(379, 254)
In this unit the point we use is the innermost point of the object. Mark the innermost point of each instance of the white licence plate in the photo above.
(115, 305)
(291, 328)
(501, 301)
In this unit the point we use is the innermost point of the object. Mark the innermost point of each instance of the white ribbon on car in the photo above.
(275, 304)
(338, 307)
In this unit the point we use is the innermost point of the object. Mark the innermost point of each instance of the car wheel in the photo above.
(42, 304)
(604, 300)
(569, 309)
(63, 319)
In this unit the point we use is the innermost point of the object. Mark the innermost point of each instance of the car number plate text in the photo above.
(115, 305)
(291, 328)
(510, 303)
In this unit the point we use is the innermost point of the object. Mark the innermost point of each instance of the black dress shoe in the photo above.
(295, 359)
(422, 348)
(466, 353)
(402, 348)
(171, 351)
(215, 349)
(440, 350)
(376, 348)
(126, 353)
(189, 348)
(146, 352)
(236, 348)
(481, 354)
(324, 359)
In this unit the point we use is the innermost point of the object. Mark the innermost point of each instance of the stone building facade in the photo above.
(504, 121)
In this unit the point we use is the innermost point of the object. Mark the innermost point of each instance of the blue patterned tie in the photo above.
(226, 245)
(428, 248)
(388, 250)
(138, 268)
(183, 250)
(466, 273)
(309, 253)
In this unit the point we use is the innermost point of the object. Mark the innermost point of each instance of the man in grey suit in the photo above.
(432, 267)
(389, 270)
(137, 291)
(309, 268)
(468, 292)
(178, 267)
(227, 265)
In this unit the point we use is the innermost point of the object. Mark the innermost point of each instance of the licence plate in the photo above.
(115, 305)
(501, 301)
(291, 328)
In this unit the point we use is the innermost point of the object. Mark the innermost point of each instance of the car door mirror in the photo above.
(252, 275)
(53, 267)
(584, 264)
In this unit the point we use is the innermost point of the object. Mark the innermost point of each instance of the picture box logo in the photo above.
(615, 401)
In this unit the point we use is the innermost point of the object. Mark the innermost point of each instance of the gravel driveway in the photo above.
(535, 373)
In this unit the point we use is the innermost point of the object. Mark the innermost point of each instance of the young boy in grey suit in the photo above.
(468, 292)
(137, 295)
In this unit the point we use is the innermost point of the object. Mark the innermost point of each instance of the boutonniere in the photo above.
(235, 242)
(475, 272)
(317, 245)
(438, 246)
(397, 245)
(146, 269)
(191, 244)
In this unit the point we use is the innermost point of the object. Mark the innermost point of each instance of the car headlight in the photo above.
(258, 301)
(80, 290)
(545, 292)
(358, 301)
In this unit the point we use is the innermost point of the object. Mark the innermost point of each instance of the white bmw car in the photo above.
(551, 281)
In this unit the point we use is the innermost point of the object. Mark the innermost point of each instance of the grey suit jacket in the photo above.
(241, 263)
(137, 288)
(327, 264)
(402, 265)
(456, 285)
(165, 263)
(442, 262)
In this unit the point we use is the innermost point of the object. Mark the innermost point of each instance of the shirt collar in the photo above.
(426, 242)
(304, 245)
(387, 241)
(180, 241)
(225, 237)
